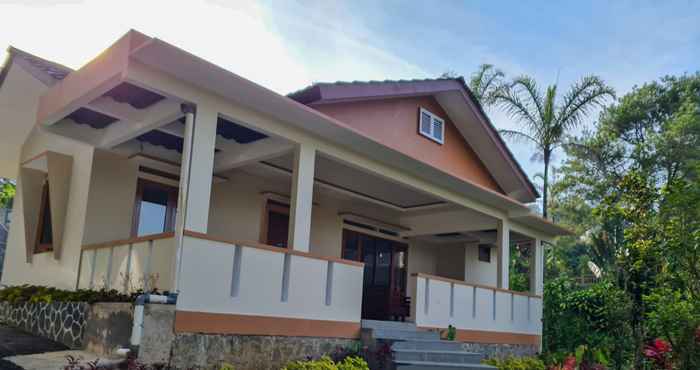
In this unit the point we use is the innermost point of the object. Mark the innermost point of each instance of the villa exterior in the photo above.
(270, 215)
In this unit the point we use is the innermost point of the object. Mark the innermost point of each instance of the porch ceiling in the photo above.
(345, 178)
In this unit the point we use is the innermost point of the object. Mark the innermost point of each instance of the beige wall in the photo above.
(450, 260)
(19, 96)
(111, 198)
(44, 268)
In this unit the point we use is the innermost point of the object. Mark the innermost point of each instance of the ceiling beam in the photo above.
(260, 150)
(133, 122)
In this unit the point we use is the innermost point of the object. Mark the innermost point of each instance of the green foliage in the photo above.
(325, 363)
(517, 363)
(631, 188)
(227, 367)
(593, 317)
(42, 294)
(7, 192)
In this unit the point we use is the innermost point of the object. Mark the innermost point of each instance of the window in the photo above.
(431, 126)
(155, 209)
(44, 239)
(276, 224)
(485, 253)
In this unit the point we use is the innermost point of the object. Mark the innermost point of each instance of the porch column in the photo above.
(301, 198)
(196, 172)
(537, 268)
(503, 246)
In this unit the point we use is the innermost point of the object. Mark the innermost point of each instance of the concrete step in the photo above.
(392, 325)
(395, 334)
(459, 357)
(427, 365)
(427, 345)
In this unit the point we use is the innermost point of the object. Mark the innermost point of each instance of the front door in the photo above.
(385, 271)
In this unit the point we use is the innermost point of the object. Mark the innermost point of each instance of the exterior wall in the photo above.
(478, 272)
(44, 268)
(63, 322)
(111, 198)
(19, 97)
(480, 314)
(394, 122)
(244, 285)
(451, 260)
(108, 327)
(249, 352)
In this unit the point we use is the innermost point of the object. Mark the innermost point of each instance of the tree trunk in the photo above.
(545, 188)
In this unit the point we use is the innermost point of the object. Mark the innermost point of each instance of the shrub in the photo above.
(325, 363)
(517, 363)
(42, 294)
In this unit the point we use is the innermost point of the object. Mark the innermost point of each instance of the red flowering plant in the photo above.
(697, 335)
(659, 353)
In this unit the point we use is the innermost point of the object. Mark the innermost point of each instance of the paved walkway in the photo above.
(22, 351)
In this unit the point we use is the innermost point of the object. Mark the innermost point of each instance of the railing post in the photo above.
(329, 283)
(236, 272)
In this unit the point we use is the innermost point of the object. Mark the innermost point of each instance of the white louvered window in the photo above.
(431, 126)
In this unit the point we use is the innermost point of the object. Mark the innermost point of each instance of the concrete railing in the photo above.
(128, 265)
(441, 302)
(248, 278)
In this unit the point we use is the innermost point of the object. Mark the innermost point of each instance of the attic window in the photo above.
(431, 126)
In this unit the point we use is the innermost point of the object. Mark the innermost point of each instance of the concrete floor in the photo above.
(20, 350)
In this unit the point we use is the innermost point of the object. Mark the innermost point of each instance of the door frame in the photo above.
(403, 247)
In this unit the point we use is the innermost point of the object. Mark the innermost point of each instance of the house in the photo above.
(288, 217)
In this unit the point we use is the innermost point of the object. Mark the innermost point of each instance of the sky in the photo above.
(286, 45)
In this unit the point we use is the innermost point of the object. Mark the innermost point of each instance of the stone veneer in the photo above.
(248, 352)
(62, 322)
(501, 350)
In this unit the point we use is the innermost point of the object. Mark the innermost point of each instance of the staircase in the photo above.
(414, 349)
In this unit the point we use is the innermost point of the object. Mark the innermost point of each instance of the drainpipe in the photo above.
(139, 304)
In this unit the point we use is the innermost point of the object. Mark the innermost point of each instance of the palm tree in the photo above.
(485, 83)
(544, 122)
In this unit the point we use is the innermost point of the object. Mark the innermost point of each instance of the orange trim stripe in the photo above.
(252, 244)
(139, 239)
(219, 323)
(460, 282)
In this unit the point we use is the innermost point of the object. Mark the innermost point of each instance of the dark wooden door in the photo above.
(384, 274)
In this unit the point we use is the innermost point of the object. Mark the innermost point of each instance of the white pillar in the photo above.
(196, 170)
(302, 198)
(503, 246)
(537, 268)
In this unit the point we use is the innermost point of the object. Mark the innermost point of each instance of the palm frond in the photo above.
(580, 101)
(484, 82)
(513, 105)
(528, 85)
(518, 136)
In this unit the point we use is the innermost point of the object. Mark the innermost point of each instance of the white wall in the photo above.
(478, 272)
(208, 277)
(440, 303)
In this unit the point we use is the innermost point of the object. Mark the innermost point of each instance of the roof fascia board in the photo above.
(89, 82)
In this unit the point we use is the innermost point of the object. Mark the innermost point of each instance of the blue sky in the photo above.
(287, 45)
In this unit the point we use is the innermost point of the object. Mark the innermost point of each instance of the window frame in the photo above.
(486, 247)
(433, 117)
(276, 206)
(171, 208)
(45, 206)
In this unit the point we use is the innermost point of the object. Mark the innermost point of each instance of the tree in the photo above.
(545, 121)
(485, 83)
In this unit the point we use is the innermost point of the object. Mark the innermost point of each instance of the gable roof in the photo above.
(46, 71)
(454, 95)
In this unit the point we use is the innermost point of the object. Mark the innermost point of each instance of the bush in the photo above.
(42, 294)
(325, 363)
(517, 363)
